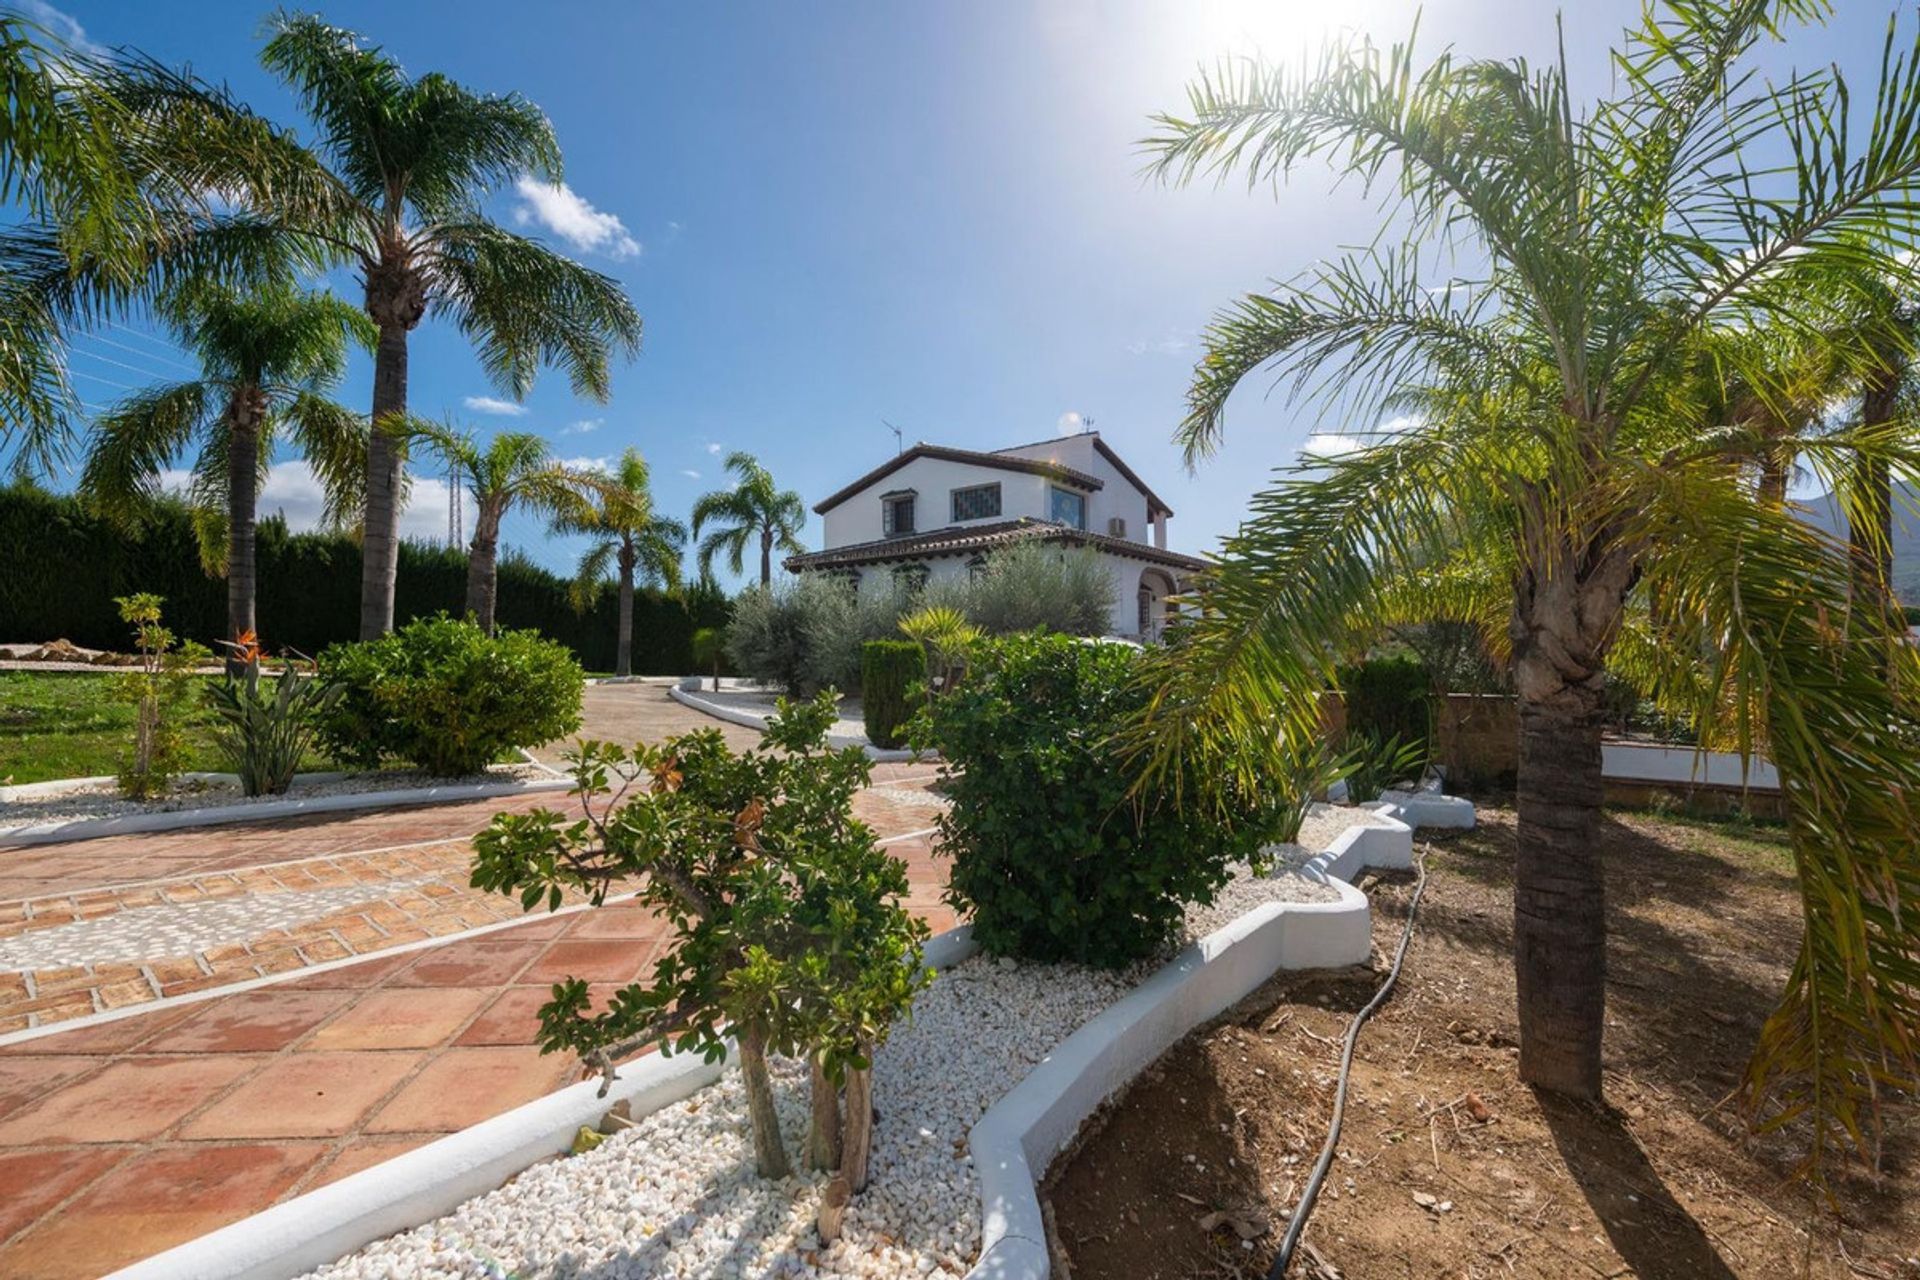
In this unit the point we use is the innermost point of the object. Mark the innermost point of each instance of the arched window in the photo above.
(976, 568)
(910, 577)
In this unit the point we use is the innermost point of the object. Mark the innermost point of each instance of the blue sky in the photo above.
(835, 214)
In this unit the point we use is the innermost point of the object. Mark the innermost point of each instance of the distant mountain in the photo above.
(1824, 512)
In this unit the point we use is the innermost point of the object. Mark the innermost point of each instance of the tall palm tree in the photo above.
(124, 174)
(1558, 442)
(410, 159)
(754, 508)
(515, 468)
(630, 537)
(268, 359)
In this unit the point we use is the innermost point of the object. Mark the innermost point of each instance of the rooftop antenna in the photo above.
(1086, 424)
(899, 441)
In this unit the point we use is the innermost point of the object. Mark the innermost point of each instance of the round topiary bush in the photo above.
(890, 671)
(442, 694)
(1052, 856)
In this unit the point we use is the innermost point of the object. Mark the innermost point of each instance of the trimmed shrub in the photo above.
(804, 634)
(890, 673)
(1052, 856)
(1033, 586)
(1389, 699)
(443, 695)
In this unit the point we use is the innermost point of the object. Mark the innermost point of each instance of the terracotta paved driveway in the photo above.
(121, 1138)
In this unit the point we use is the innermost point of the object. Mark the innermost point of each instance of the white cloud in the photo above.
(60, 24)
(1071, 423)
(292, 490)
(581, 225)
(1330, 444)
(1169, 344)
(490, 404)
(713, 449)
(587, 464)
(689, 473)
(583, 426)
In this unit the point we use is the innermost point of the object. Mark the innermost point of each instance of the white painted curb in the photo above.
(1019, 1136)
(752, 720)
(1022, 1131)
(218, 815)
(419, 1185)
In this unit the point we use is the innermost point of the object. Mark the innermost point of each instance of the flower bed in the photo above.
(676, 1194)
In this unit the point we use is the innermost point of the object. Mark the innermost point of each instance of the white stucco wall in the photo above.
(858, 519)
(1123, 618)
(1118, 497)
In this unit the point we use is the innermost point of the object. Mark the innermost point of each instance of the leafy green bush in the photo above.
(709, 648)
(890, 672)
(1389, 698)
(1033, 586)
(790, 932)
(804, 634)
(1051, 854)
(443, 695)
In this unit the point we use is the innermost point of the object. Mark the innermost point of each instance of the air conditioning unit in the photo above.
(1116, 526)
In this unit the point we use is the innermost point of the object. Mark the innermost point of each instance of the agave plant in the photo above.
(946, 635)
(264, 735)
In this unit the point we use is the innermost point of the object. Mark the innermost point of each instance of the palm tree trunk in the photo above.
(1569, 599)
(766, 557)
(380, 527)
(623, 652)
(243, 482)
(1559, 899)
(483, 559)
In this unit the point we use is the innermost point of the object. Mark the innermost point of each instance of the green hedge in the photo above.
(1389, 698)
(65, 566)
(889, 672)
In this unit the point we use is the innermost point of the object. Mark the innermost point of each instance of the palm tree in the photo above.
(124, 172)
(514, 469)
(1558, 443)
(633, 538)
(410, 160)
(754, 508)
(268, 359)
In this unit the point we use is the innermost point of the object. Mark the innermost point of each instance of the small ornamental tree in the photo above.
(790, 933)
(156, 688)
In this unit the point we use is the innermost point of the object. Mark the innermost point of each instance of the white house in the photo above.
(935, 512)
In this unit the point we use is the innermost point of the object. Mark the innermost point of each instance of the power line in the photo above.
(144, 355)
(94, 377)
(172, 348)
(118, 364)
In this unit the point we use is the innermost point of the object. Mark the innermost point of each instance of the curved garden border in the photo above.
(260, 811)
(1023, 1131)
(752, 720)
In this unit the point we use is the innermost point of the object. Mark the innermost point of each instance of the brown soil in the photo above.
(1448, 1166)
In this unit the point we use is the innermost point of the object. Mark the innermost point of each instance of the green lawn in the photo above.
(58, 724)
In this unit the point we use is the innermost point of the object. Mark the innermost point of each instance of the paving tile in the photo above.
(132, 1100)
(465, 1086)
(251, 1022)
(400, 1019)
(105, 1038)
(621, 920)
(617, 960)
(514, 1017)
(370, 972)
(153, 1202)
(23, 1079)
(476, 962)
(32, 1182)
(304, 1095)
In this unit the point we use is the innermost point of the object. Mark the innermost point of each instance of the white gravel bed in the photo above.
(677, 1196)
(104, 801)
(1322, 825)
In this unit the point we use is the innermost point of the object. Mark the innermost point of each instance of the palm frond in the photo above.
(138, 439)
